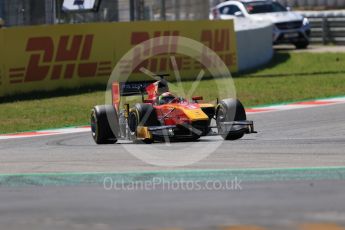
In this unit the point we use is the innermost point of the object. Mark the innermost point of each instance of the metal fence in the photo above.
(307, 4)
(35, 12)
(28, 12)
(328, 30)
(321, 4)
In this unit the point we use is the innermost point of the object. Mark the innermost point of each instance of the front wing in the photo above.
(187, 131)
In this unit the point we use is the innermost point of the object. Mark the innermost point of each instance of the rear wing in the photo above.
(151, 88)
(125, 89)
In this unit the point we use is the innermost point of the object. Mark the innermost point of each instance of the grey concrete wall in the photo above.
(254, 43)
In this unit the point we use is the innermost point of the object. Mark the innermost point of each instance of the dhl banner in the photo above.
(41, 58)
(2, 65)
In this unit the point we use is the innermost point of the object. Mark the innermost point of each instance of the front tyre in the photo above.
(142, 115)
(229, 110)
(301, 45)
(102, 130)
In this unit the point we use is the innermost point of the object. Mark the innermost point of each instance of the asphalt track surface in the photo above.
(296, 138)
(303, 198)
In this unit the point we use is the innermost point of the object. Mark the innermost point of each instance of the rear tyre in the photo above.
(102, 131)
(301, 45)
(230, 110)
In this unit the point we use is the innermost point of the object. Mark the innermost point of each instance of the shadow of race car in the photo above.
(164, 117)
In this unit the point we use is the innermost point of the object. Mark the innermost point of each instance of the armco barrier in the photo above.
(314, 3)
(66, 56)
(327, 26)
(254, 43)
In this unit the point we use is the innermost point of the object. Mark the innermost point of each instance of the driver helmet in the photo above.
(166, 98)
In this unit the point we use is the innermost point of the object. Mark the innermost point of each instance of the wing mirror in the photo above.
(239, 14)
(197, 98)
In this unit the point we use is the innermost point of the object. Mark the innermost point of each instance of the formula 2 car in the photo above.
(162, 116)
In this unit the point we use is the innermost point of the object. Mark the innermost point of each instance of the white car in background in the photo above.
(289, 27)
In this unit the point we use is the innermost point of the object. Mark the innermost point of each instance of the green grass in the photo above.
(289, 64)
(258, 90)
(48, 113)
(290, 76)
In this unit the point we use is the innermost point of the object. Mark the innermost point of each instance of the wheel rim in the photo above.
(93, 124)
(133, 123)
(221, 117)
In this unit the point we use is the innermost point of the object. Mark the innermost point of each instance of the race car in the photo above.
(163, 116)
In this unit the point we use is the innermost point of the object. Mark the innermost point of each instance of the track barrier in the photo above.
(49, 57)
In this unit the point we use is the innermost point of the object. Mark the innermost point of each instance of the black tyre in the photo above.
(230, 110)
(104, 132)
(133, 120)
(143, 115)
(147, 115)
(302, 45)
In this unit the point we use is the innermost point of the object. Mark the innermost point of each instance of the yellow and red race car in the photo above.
(162, 116)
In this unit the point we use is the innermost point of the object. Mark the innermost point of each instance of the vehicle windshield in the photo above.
(166, 100)
(264, 7)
